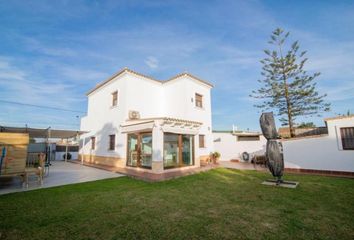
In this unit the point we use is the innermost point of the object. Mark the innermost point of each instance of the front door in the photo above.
(139, 152)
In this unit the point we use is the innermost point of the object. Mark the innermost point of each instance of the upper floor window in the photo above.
(198, 100)
(347, 135)
(93, 143)
(202, 141)
(112, 142)
(115, 99)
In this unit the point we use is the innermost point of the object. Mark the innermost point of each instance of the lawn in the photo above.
(219, 204)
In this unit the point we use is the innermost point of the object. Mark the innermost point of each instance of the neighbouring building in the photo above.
(232, 144)
(284, 132)
(328, 153)
(139, 123)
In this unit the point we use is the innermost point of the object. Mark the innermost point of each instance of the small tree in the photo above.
(307, 125)
(287, 87)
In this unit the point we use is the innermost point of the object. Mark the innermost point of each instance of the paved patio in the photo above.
(242, 166)
(148, 176)
(61, 173)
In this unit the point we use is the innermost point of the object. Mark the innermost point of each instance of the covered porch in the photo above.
(161, 145)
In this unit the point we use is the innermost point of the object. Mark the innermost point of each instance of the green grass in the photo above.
(219, 204)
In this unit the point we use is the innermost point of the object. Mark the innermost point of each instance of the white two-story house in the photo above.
(137, 122)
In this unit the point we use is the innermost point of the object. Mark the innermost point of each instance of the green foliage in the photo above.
(307, 125)
(217, 154)
(214, 155)
(286, 87)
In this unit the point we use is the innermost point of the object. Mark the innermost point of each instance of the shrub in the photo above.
(69, 156)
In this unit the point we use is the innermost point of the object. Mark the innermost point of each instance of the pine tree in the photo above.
(286, 87)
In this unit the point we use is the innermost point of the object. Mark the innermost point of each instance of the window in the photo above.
(198, 100)
(62, 148)
(93, 143)
(248, 138)
(112, 142)
(347, 135)
(115, 99)
(202, 141)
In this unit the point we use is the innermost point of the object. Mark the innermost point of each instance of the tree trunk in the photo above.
(288, 104)
(291, 127)
(290, 119)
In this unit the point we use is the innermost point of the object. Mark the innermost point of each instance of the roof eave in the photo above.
(127, 70)
(191, 76)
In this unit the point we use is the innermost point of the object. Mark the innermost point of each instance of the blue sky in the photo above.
(53, 52)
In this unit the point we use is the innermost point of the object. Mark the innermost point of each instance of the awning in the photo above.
(179, 130)
(138, 127)
(180, 126)
(165, 124)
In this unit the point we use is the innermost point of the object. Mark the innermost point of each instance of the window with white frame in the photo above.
(199, 100)
(114, 98)
(347, 136)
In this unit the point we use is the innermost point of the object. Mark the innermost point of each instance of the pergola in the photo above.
(45, 133)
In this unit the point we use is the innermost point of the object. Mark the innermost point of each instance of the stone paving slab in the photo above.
(60, 173)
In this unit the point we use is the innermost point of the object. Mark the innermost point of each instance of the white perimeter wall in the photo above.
(230, 148)
(321, 153)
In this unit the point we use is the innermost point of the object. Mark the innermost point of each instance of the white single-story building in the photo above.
(329, 153)
(231, 144)
(140, 123)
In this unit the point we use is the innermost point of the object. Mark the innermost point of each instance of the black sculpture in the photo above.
(274, 155)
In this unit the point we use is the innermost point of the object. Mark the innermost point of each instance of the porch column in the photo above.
(157, 149)
(83, 150)
(66, 150)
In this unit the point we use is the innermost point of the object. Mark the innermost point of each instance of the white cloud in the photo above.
(35, 45)
(20, 86)
(152, 62)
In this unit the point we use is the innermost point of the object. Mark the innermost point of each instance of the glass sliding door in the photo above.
(171, 150)
(187, 150)
(146, 150)
(132, 153)
(178, 150)
(139, 152)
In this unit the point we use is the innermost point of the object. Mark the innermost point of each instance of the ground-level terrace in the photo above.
(59, 173)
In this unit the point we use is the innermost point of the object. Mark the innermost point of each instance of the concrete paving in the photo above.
(60, 173)
(242, 165)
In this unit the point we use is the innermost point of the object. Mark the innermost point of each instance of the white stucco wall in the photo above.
(231, 149)
(103, 120)
(321, 153)
(181, 104)
(151, 99)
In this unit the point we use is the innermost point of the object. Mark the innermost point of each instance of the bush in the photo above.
(214, 156)
(69, 156)
(217, 155)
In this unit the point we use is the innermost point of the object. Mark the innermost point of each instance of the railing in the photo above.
(32, 159)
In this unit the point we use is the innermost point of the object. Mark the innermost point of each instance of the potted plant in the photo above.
(216, 157)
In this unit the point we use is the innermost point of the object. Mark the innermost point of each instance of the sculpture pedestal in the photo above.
(286, 184)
